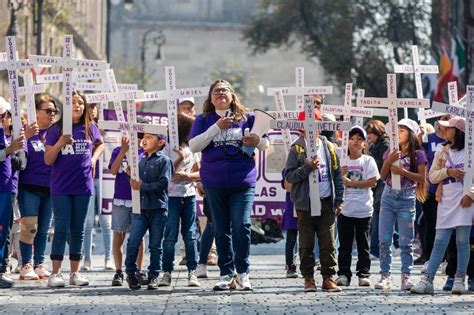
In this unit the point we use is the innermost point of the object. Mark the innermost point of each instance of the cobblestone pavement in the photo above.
(272, 294)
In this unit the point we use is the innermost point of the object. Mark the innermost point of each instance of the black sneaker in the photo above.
(143, 276)
(118, 279)
(153, 283)
(133, 281)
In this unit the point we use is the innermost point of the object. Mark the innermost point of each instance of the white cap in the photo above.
(186, 99)
(4, 106)
(410, 124)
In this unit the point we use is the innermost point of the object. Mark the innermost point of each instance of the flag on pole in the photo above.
(458, 57)
(445, 75)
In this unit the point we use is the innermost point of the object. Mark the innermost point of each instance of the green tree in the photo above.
(355, 41)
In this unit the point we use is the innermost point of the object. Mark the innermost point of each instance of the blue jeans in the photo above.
(35, 204)
(5, 217)
(153, 220)
(231, 209)
(184, 209)
(105, 221)
(207, 238)
(374, 234)
(397, 206)
(69, 217)
(441, 243)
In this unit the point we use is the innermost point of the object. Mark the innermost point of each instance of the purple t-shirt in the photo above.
(71, 173)
(5, 166)
(36, 171)
(432, 143)
(222, 163)
(405, 162)
(122, 181)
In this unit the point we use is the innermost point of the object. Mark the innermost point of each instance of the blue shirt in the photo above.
(155, 173)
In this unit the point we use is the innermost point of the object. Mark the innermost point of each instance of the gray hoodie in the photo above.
(297, 173)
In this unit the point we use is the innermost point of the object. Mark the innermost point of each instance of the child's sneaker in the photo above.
(458, 286)
(166, 280)
(27, 273)
(56, 281)
(364, 282)
(423, 287)
(243, 282)
(153, 283)
(117, 281)
(406, 283)
(226, 282)
(143, 277)
(75, 278)
(342, 280)
(5, 281)
(309, 284)
(201, 271)
(133, 281)
(192, 279)
(448, 286)
(291, 272)
(42, 271)
(87, 266)
(384, 283)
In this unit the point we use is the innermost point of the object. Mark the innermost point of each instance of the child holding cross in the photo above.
(455, 208)
(155, 171)
(399, 205)
(72, 158)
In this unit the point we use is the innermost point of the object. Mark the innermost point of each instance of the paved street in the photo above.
(273, 294)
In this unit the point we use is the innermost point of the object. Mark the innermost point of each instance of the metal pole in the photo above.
(39, 27)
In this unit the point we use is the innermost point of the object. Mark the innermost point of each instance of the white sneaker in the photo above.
(5, 281)
(75, 278)
(192, 279)
(201, 271)
(443, 266)
(87, 265)
(109, 265)
(406, 283)
(423, 287)
(384, 283)
(342, 280)
(425, 266)
(364, 282)
(225, 283)
(243, 282)
(42, 272)
(27, 273)
(56, 281)
(17, 268)
(458, 286)
(165, 280)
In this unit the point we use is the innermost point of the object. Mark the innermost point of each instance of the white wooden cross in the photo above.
(467, 112)
(130, 128)
(68, 65)
(417, 70)
(281, 113)
(393, 103)
(29, 90)
(171, 95)
(347, 111)
(311, 126)
(453, 100)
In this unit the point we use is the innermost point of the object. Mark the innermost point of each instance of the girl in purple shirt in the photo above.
(72, 186)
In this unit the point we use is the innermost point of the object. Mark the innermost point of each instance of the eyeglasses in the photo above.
(50, 111)
(224, 90)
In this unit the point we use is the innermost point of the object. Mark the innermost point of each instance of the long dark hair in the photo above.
(185, 123)
(459, 137)
(236, 106)
(413, 146)
(85, 118)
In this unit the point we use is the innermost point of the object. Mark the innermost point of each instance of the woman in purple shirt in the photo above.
(228, 177)
(34, 196)
(72, 186)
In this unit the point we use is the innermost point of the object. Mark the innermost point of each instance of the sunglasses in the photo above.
(50, 111)
(217, 91)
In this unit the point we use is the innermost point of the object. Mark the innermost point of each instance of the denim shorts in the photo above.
(121, 218)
